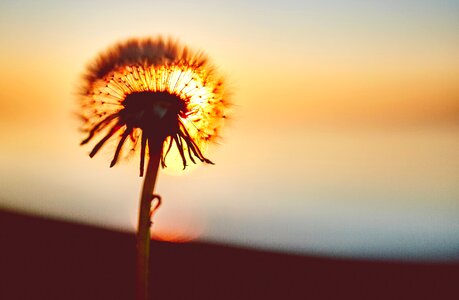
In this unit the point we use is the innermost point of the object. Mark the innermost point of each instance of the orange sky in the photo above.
(343, 111)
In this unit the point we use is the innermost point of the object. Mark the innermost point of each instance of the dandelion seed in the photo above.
(152, 89)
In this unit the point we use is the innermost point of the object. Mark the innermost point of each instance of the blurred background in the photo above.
(343, 140)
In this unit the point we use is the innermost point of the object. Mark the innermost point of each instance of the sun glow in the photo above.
(202, 116)
(176, 235)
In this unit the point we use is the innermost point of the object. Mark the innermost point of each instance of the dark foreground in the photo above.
(43, 259)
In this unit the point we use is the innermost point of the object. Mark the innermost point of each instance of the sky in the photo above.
(343, 138)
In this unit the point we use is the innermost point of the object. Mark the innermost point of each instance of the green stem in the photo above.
(143, 230)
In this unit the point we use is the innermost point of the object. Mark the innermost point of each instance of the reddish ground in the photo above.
(43, 259)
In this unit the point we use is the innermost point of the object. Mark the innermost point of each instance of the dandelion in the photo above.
(148, 96)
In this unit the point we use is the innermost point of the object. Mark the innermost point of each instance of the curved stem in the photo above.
(143, 230)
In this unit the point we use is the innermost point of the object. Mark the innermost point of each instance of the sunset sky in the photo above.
(343, 139)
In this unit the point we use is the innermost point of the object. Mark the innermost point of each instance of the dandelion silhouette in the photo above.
(149, 95)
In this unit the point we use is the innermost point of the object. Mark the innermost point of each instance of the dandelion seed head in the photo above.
(147, 89)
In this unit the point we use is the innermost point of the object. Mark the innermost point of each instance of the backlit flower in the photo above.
(151, 89)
